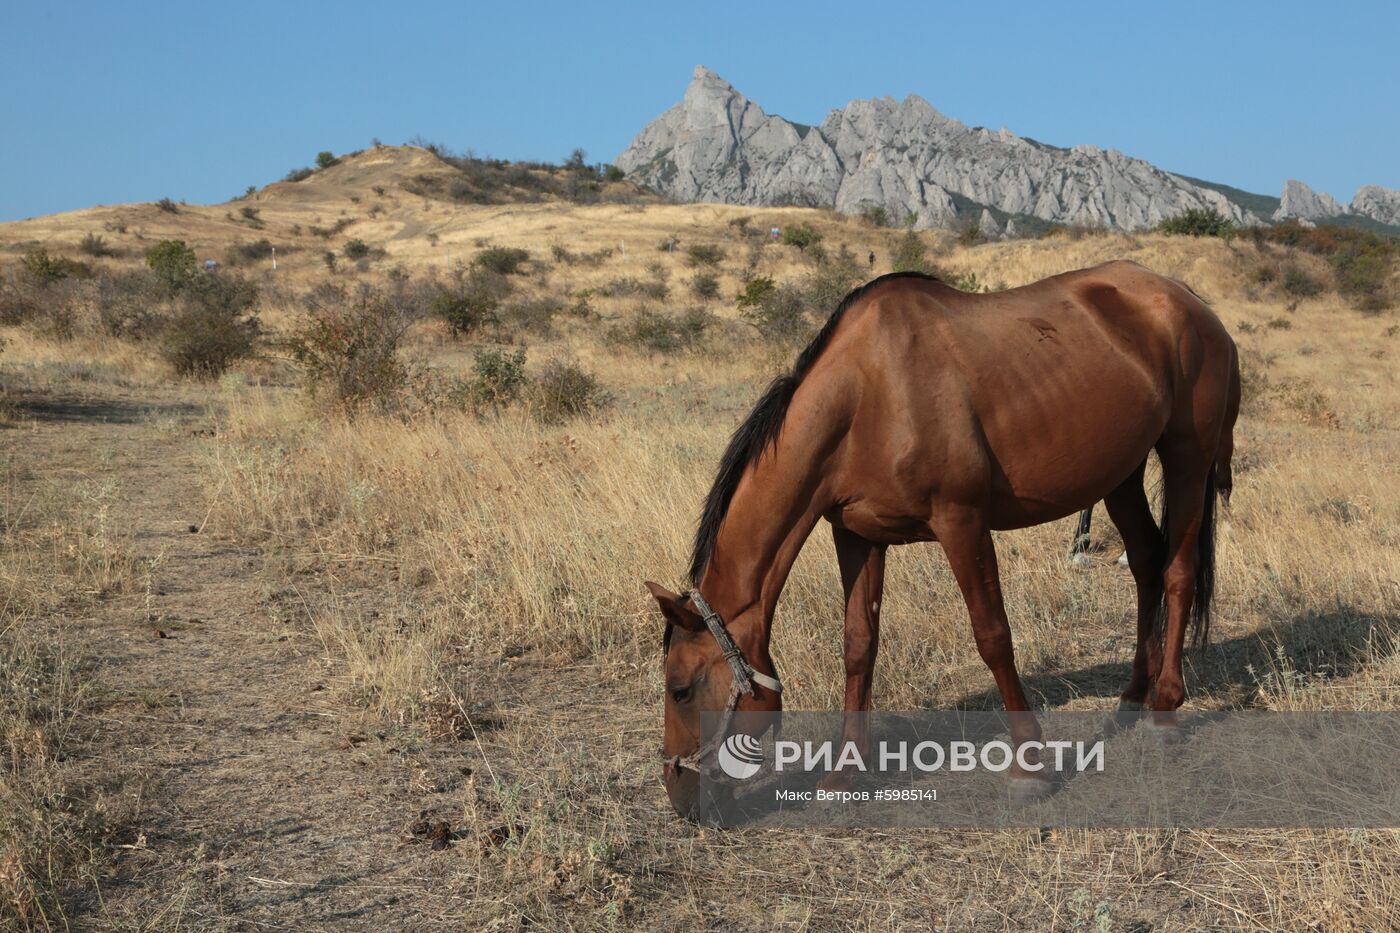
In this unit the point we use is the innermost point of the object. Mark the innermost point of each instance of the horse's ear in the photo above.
(676, 611)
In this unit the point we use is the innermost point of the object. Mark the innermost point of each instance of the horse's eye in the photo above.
(681, 694)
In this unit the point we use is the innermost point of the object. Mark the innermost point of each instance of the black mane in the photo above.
(760, 429)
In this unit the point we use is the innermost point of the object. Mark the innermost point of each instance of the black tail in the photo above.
(1202, 604)
(1204, 597)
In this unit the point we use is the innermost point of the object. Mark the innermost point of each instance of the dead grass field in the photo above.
(460, 598)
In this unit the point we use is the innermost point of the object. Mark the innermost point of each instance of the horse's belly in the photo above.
(1043, 477)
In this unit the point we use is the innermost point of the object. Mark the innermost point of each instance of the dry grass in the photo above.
(59, 550)
(508, 558)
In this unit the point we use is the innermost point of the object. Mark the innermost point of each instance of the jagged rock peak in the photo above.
(900, 156)
(1300, 201)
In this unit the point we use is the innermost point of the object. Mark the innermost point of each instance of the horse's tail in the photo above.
(1201, 604)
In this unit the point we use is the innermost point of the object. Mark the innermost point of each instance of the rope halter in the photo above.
(745, 676)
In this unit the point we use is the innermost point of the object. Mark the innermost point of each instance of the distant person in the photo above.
(776, 232)
(872, 259)
(211, 265)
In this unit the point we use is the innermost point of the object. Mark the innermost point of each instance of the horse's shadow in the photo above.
(1310, 647)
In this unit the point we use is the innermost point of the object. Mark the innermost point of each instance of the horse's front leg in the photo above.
(863, 579)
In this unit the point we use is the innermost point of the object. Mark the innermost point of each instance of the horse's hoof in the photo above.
(1123, 559)
(1080, 560)
(1129, 706)
(1165, 734)
(836, 782)
(1029, 790)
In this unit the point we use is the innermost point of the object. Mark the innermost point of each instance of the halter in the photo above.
(742, 683)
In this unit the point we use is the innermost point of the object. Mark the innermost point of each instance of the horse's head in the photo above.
(699, 676)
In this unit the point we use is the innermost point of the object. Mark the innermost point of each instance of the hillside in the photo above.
(422, 210)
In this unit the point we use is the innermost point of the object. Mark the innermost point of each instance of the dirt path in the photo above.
(243, 793)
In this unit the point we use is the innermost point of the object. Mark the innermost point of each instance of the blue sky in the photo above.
(113, 102)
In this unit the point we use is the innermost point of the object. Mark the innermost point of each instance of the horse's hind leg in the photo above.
(1128, 508)
(1186, 474)
(973, 559)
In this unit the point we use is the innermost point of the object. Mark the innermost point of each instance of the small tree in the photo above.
(801, 236)
(910, 254)
(174, 263)
(325, 159)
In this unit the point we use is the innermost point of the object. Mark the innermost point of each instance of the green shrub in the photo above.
(779, 313)
(611, 173)
(705, 286)
(503, 260)
(563, 391)
(910, 254)
(625, 286)
(704, 254)
(968, 282)
(877, 215)
(829, 282)
(173, 262)
(94, 245)
(128, 304)
(533, 315)
(299, 174)
(802, 236)
(756, 291)
(1362, 277)
(657, 332)
(355, 249)
(167, 205)
(348, 347)
(325, 159)
(213, 326)
(1298, 284)
(44, 268)
(240, 253)
(970, 234)
(1198, 221)
(498, 378)
(471, 301)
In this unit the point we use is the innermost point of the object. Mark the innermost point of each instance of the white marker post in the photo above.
(274, 259)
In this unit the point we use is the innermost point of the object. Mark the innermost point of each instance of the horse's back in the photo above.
(1054, 392)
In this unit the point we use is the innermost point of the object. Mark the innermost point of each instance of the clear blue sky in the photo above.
(129, 101)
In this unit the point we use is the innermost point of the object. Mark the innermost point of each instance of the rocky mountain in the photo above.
(903, 157)
(1381, 205)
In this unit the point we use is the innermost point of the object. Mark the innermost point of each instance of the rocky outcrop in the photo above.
(902, 156)
(1377, 203)
(1300, 201)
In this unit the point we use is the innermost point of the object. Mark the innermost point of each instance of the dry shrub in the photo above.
(659, 332)
(347, 345)
(563, 391)
(212, 327)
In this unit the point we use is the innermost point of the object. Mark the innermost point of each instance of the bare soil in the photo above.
(236, 789)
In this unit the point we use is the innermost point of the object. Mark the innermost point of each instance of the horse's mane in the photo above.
(761, 428)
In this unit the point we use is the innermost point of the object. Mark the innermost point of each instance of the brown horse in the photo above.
(923, 413)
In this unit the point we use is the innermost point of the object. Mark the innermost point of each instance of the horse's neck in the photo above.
(769, 518)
